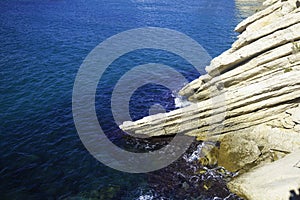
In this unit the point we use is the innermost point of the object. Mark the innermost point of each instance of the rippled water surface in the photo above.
(42, 45)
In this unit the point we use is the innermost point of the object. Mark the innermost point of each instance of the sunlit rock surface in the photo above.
(248, 101)
(252, 83)
(272, 181)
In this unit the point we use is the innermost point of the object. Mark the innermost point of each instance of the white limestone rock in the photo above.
(295, 114)
(252, 83)
(271, 181)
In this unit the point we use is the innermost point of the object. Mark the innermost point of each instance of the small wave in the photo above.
(198, 152)
(180, 101)
(145, 197)
(148, 194)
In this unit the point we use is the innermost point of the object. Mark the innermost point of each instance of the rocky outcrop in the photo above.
(254, 82)
(245, 149)
(272, 181)
(249, 101)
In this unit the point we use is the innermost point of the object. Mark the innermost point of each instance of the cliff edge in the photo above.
(249, 101)
(255, 82)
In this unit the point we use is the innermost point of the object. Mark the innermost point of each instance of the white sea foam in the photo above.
(146, 197)
(180, 101)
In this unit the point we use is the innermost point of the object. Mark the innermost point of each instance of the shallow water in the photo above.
(42, 45)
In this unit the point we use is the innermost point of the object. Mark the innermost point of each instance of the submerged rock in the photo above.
(186, 178)
(106, 193)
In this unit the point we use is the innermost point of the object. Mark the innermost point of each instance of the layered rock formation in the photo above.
(252, 83)
(270, 181)
(249, 101)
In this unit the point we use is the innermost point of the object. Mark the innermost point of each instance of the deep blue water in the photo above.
(42, 45)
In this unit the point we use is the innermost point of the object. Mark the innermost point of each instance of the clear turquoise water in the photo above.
(42, 45)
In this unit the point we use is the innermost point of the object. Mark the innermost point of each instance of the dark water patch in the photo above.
(144, 96)
(42, 45)
(187, 178)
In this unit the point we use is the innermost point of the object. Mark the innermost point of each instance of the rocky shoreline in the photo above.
(249, 101)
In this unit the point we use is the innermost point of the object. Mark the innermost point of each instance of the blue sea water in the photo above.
(42, 45)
